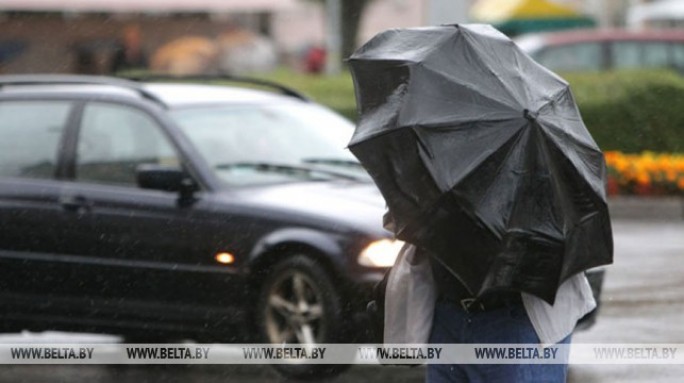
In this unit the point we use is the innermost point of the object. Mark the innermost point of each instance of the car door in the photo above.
(33, 223)
(148, 255)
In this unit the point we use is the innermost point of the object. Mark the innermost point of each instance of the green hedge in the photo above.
(632, 111)
(628, 111)
(336, 92)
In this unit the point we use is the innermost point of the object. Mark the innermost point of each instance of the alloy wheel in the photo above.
(294, 310)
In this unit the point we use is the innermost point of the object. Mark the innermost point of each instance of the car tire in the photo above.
(298, 304)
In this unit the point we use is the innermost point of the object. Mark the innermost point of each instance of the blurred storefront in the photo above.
(657, 14)
(86, 36)
(83, 36)
(515, 17)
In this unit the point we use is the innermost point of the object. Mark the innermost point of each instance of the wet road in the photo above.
(643, 302)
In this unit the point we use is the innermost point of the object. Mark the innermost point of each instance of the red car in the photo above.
(598, 50)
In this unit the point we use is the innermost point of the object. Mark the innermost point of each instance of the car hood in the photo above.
(345, 205)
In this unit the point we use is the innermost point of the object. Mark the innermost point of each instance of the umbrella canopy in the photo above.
(482, 157)
(502, 10)
(514, 17)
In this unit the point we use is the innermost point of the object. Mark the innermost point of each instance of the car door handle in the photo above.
(77, 204)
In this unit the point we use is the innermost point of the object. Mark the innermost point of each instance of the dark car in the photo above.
(165, 211)
(599, 50)
(175, 211)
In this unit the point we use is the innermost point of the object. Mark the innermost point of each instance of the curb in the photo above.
(647, 208)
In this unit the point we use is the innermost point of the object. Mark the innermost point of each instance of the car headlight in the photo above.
(381, 253)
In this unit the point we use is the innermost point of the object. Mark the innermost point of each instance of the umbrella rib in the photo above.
(574, 167)
(525, 85)
(513, 137)
(572, 138)
(557, 97)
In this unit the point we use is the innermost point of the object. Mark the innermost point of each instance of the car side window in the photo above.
(656, 55)
(640, 54)
(114, 140)
(31, 131)
(626, 54)
(678, 55)
(574, 57)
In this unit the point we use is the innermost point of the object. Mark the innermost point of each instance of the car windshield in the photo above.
(262, 143)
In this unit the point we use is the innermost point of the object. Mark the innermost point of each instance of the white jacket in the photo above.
(411, 294)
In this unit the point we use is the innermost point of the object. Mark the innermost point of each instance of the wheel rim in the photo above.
(294, 310)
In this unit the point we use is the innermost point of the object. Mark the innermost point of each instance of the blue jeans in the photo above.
(451, 324)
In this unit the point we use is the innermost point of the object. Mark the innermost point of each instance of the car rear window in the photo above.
(114, 140)
(31, 132)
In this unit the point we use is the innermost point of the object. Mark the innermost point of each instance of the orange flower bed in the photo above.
(645, 174)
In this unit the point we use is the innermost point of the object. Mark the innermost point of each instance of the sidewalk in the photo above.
(647, 208)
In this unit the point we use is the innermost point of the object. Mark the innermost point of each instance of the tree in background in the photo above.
(352, 11)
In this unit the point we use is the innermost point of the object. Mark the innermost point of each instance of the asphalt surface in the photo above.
(643, 302)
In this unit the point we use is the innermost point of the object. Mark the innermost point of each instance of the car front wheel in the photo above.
(299, 304)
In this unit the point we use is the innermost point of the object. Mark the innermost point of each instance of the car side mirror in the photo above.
(166, 178)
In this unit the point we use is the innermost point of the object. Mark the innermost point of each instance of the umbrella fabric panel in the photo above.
(564, 127)
(532, 253)
(586, 161)
(556, 228)
(586, 220)
(455, 158)
(452, 228)
(458, 241)
(403, 45)
(454, 154)
(458, 157)
(380, 98)
(481, 89)
(591, 241)
(437, 99)
(530, 84)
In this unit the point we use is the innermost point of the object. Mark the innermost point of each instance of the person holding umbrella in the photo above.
(490, 174)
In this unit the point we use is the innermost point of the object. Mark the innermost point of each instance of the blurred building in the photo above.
(634, 13)
(303, 25)
(516, 17)
(656, 14)
(608, 13)
(85, 36)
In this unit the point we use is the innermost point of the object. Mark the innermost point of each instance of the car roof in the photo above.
(178, 95)
(537, 40)
(169, 95)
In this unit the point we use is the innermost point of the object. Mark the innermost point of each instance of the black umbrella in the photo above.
(482, 157)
